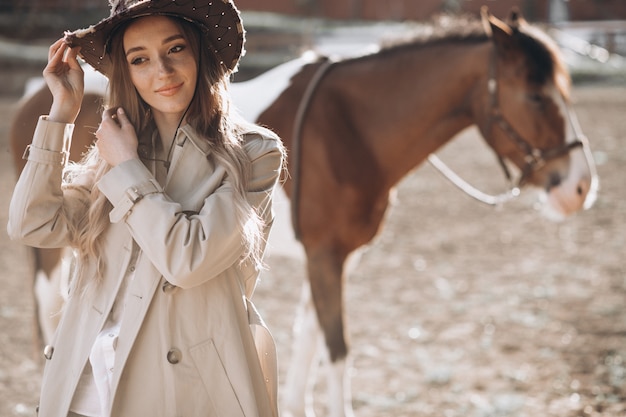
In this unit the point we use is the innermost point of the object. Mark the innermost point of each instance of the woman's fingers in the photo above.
(71, 57)
(55, 60)
(121, 116)
(117, 141)
(59, 54)
(65, 79)
(55, 48)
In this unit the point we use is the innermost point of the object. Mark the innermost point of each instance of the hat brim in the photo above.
(218, 19)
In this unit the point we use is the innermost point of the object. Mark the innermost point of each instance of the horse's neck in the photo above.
(419, 101)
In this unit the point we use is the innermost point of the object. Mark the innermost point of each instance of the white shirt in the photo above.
(93, 393)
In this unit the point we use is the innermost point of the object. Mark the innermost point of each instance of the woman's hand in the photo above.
(65, 79)
(117, 141)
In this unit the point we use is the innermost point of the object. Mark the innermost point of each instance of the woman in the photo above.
(167, 214)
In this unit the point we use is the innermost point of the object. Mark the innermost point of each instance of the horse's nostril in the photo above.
(583, 187)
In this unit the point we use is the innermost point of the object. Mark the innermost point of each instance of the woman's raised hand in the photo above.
(117, 141)
(65, 79)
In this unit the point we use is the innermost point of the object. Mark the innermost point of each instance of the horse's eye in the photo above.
(536, 98)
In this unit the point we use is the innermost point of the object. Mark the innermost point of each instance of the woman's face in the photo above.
(162, 65)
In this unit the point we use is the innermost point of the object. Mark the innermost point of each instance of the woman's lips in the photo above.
(169, 90)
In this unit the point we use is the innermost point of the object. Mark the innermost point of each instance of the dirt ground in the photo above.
(457, 309)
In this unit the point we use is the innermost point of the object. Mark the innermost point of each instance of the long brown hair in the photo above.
(208, 114)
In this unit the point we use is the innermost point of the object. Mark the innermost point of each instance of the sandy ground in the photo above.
(458, 309)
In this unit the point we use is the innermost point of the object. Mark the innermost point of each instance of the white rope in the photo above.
(492, 200)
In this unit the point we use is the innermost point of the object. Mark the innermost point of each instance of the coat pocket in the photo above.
(215, 379)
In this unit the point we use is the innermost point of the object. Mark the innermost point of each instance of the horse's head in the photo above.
(527, 117)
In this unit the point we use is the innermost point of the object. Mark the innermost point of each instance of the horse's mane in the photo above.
(442, 28)
(543, 57)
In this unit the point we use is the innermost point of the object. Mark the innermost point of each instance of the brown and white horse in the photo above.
(355, 127)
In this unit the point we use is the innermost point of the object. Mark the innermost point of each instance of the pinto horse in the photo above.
(356, 126)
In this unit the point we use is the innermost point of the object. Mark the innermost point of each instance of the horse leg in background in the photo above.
(326, 273)
(311, 347)
(308, 351)
(298, 392)
(47, 289)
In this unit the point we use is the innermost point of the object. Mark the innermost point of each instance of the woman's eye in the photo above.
(177, 48)
(137, 61)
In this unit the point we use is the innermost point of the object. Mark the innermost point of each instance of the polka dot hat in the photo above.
(218, 19)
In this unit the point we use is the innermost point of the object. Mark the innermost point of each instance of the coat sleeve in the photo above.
(41, 208)
(189, 249)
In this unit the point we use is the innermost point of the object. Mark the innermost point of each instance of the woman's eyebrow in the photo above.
(172, 38)
(165, 41)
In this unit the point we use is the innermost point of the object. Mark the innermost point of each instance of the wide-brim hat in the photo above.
(219, 20)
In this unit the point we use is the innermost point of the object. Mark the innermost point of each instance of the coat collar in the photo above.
(198, 141)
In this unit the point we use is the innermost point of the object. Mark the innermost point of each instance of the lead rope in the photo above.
(467, 188)
(295, 160)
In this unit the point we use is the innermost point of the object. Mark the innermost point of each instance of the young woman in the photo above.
(167, 213)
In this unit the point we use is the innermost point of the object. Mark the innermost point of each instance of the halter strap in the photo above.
(296, 157)
(534, 158)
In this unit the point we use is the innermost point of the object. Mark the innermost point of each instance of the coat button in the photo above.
(168, 288)
(48, 351)
(174, 356)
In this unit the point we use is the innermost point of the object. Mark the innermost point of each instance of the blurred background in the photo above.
(592, 32)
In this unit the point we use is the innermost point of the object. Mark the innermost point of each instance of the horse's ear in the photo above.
(499, 31)
(484, 17)
(515, 19)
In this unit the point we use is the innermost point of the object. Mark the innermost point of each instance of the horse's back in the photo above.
(254, 96)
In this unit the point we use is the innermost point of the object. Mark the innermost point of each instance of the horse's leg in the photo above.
(53, 271)
(298, 397)
(325, 270)
(49, 302)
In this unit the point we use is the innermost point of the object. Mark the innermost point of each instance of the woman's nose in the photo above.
(165, 66)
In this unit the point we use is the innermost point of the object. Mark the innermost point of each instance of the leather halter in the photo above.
(534, 157)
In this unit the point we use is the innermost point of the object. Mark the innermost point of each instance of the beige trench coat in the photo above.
(186, 345)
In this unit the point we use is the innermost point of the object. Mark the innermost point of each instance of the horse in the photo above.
(354, 127)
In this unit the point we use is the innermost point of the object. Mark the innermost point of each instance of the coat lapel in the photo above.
(140, 293)
(193, 175)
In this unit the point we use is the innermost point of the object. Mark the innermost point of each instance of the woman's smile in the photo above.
(170, 90)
